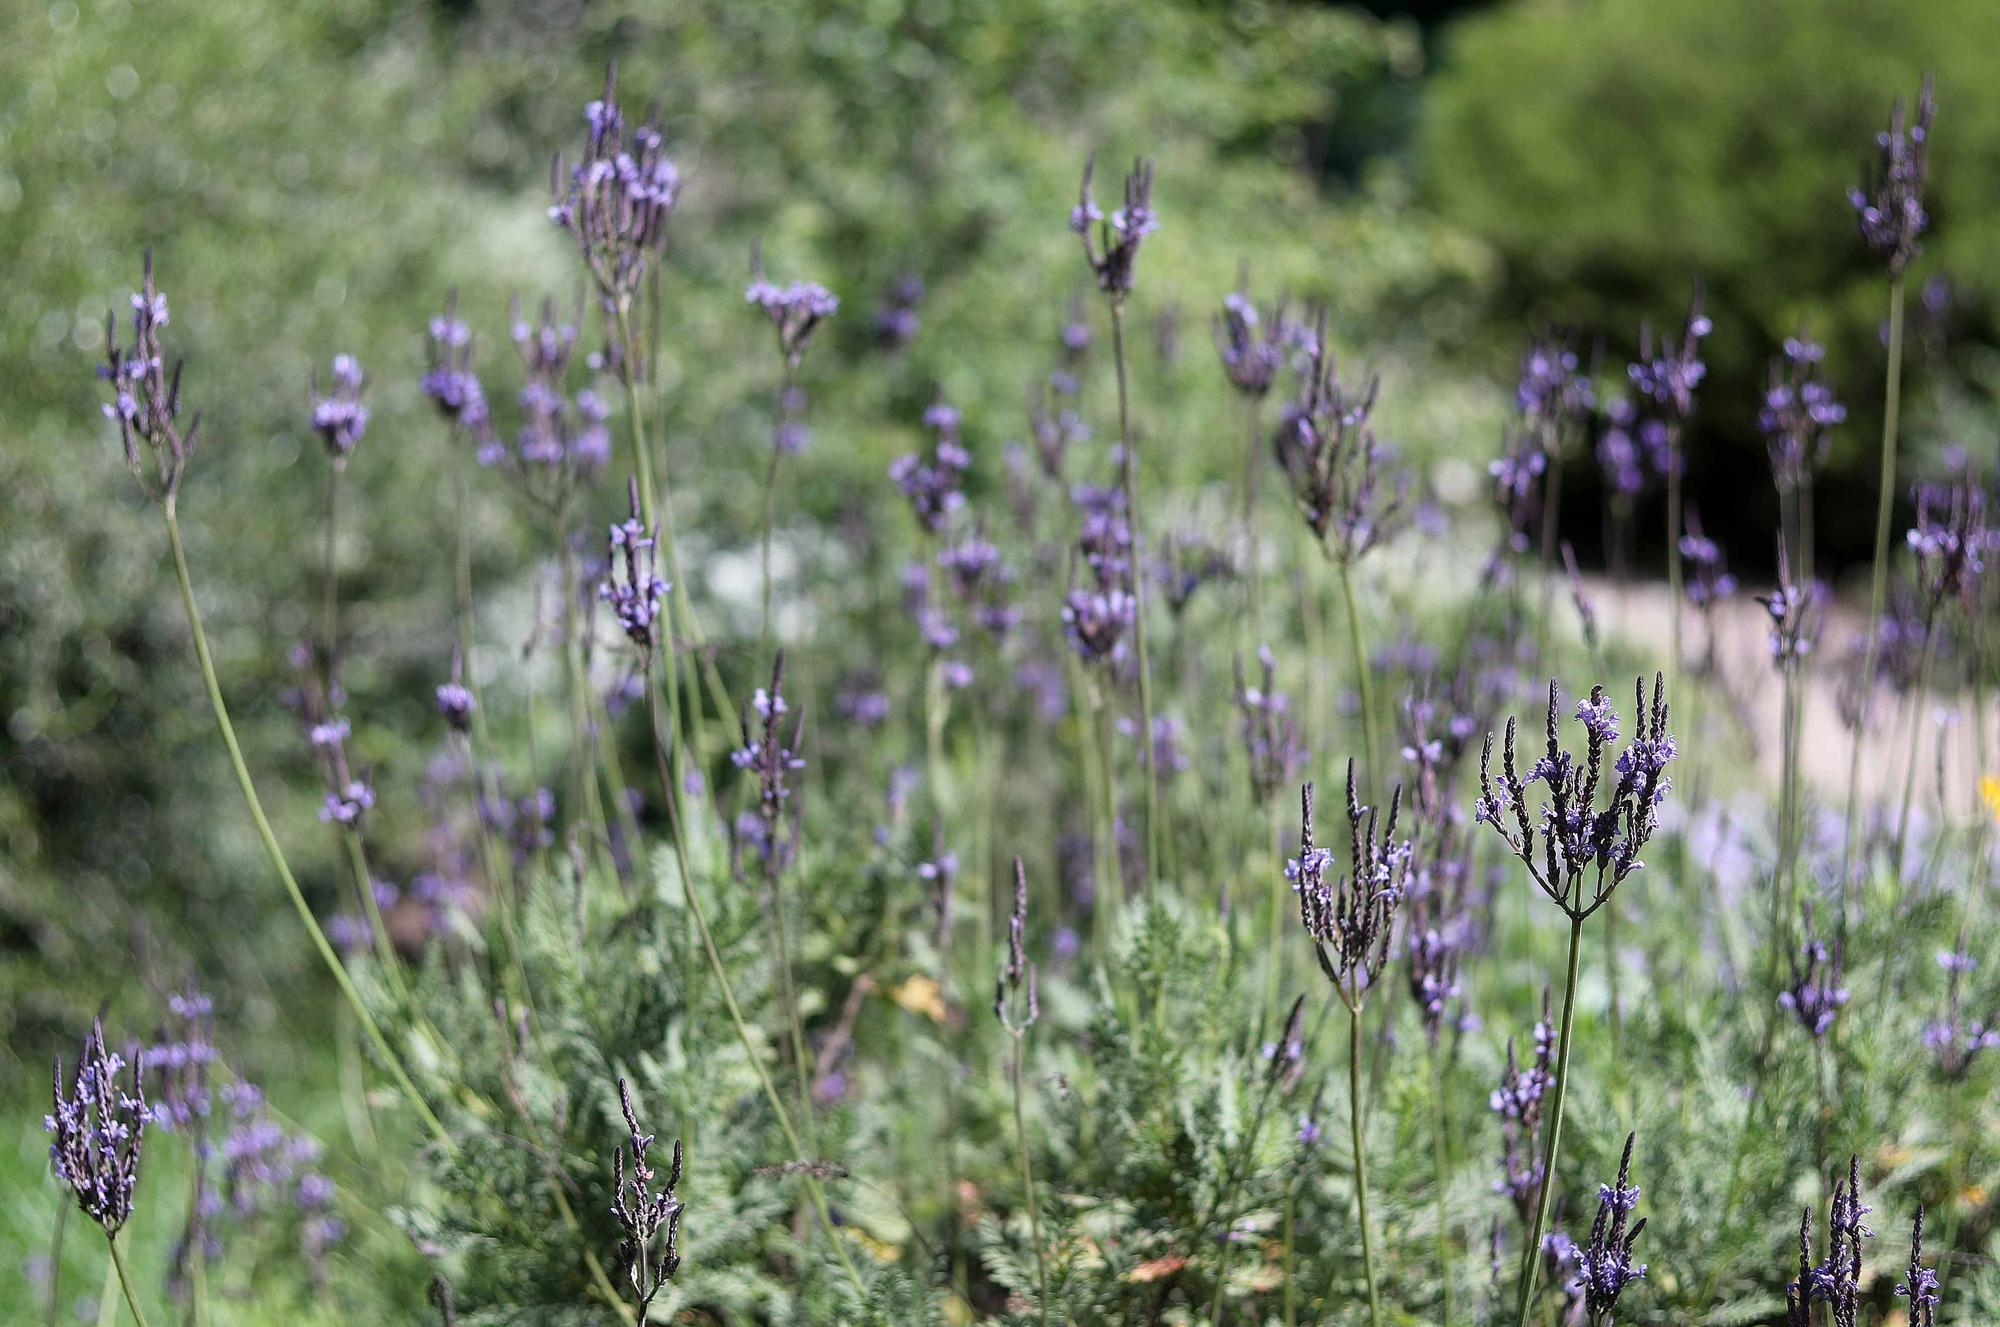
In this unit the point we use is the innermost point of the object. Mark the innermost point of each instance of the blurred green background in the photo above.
(315, 177)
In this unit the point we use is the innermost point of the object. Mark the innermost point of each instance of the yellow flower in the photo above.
(920, 995)
(1989, 793)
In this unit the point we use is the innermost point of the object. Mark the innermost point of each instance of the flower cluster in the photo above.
(1096, 619)
(1604, 1263)
(1554, 394)
(1350, 916)
(632, 585)
(1835, 1282)
(1576, 837)
(1956, 1040)
(145, 398)
(1920, 1287)
(1799, 411)
(896, 318)
(1794, 611)
(1815, 996)
(1270, 731)
(340, 417)
(769, 757)
(1709, 580)
(646, 1215)
(1114, 252)
(1252, 347)
(1950, 540)
(450, 382)
(1666, 374)
(1518, 1101)
(616, 200)
(1327, 449)
(560, 435)
(348, 797)
(99, 1123)
(935, 487)
(795, 311)
(1891, 212)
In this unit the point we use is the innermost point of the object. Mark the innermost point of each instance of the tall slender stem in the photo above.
(1442, 1164)
(669, 792)
(771, 486)
(1360, 1158)
(1253, 454)
(1673, 558)
(801, 1060)
(330, 588)
(1028, 1183)
(1531, 1256)
(269, 840)
(1129, 470)
(1361, 671)
(125, 1280)
(1878, 586)
(1916, 732)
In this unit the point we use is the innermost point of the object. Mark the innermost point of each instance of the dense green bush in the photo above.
(316, 178)
(1613, 152)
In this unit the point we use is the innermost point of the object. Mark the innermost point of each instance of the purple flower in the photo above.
(1816, 995)
(1891, 212)
(1270, 730)
(340, 418)
(99, 1122)
(769, 757)
(1095, 622)
(1350, 916)
(1666, 375)
(796, 311)
(1950, 539)
(1799, 412)
(616, 200)
(145, 397)
(632, 585)
(1604, 1263)
(1114, 250)
(1327, 450)
(456, 704)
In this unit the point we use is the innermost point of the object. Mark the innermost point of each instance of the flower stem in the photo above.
(1531, 1260)
(668, 791)
(269, 839)
(1916, 732)
(1028, 1184)
(1673, 559)
(1366, 688)
(1361, 1159)
(330, 588)
(125, 1280)
(1878, 586)
(1442, 1163)
(1129, 471)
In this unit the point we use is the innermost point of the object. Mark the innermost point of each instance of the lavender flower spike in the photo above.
(616, 200)
(99, 1127)
(1580, 852)
(146, 398)
(1350, 916)
(1115, 251)
(1891, 213)
(796, 311)
(1921, 1288)
(1017, 977)
(1605, 1264)
(644, 1212)
(632, 586)
(340, 418)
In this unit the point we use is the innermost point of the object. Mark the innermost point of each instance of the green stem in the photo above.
(1129, 471)
(269, 839)
(1674, 559)
(330, 589)
(1361, 1159)
(1028, 1182)
(125, 1281)
(1366, 688)
(801, 1060)
(771, 488)
(56, 1257)
(1252, 473)
(1878, 588)
(1441, 1161)
(1531, 1260)
(669, 791)
(1916, 732)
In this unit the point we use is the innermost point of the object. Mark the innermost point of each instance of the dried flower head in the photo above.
(145, 397)
(1015, 999)
(1891, 211)
(1351, 916)
(646, 1215)
(99, 1123)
